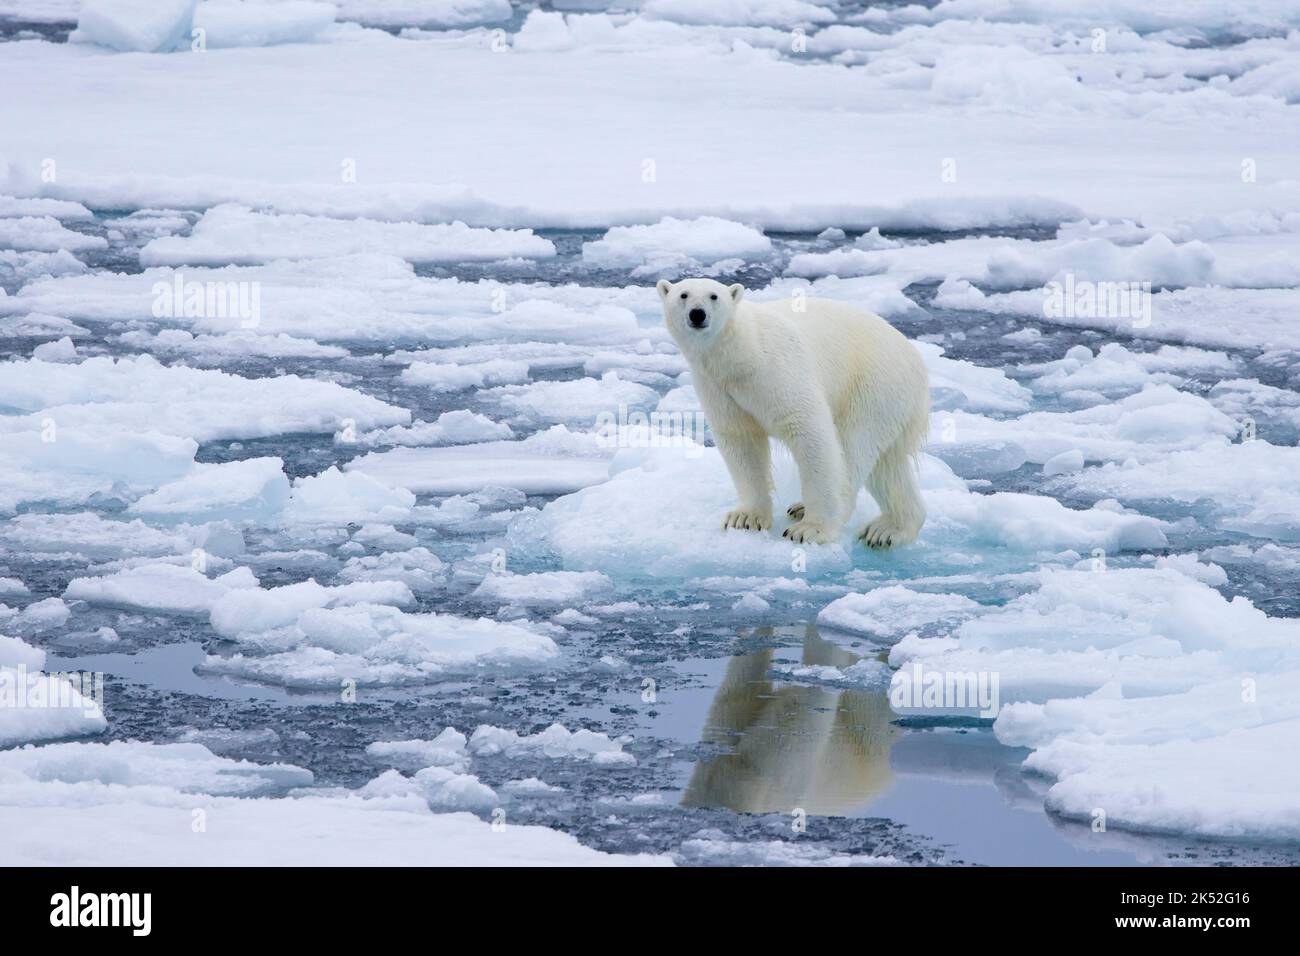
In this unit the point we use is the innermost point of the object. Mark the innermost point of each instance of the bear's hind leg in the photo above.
(894, 486)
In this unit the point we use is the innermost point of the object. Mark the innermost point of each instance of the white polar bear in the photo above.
(843, 389)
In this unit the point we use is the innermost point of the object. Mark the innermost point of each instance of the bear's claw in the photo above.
(884, 533)
(809, 532)
(796, 511)
(743, 519)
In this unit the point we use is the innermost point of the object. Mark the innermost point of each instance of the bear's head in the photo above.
(697, 310)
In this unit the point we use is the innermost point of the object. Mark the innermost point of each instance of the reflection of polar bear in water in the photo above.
(790, 745)
(842, 388)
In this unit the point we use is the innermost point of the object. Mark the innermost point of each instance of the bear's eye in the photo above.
(714, 297)
(683, 295)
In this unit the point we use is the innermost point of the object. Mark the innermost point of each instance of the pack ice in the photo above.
(455, 458)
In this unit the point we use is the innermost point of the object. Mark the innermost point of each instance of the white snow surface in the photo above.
(1011, 93)
(124, 803)
(234, 235)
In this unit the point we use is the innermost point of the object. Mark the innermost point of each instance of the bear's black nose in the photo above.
(697, 318)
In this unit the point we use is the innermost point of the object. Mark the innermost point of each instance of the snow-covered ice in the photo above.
(100, 804)
(134, 27)
(555, 741)
(678, 531)
(892, 612)
(439, 13)
(160, 587)
(706, 241)
(36, 706)
(233, 235)
(554, 461)
(306, 635)
(544, 588)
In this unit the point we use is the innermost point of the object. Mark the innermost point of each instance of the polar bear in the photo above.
(844, 390)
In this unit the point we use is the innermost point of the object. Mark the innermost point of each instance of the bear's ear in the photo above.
(664, 287)
(736, 291)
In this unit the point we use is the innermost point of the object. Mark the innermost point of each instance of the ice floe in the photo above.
(254, 488)
(314, 637)
(1215, 760)
(555, 461)
(1154, 630)
(418, 568)
(706, 240)
(892, 612)
(577, 401)
(458, 427)
(226, 23)
(140, 394)
(542, 588)
(234, 235)
(45, 234)
(442, 13)
(125, 801)
(134, 27)
(75, 430)
(91, 770)
(160, 587)
(446, 750)
(671, 504)
(556, 741)
(36, 706)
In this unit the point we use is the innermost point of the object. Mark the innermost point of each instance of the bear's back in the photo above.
(850, 347)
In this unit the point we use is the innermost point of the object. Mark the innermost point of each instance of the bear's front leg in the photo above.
(815, 445)
(748, 458)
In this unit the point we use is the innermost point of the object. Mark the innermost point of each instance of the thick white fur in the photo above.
(843, 389)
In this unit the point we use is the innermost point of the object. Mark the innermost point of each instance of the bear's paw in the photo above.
(747, 519)
(809, 532)
(884, 532)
